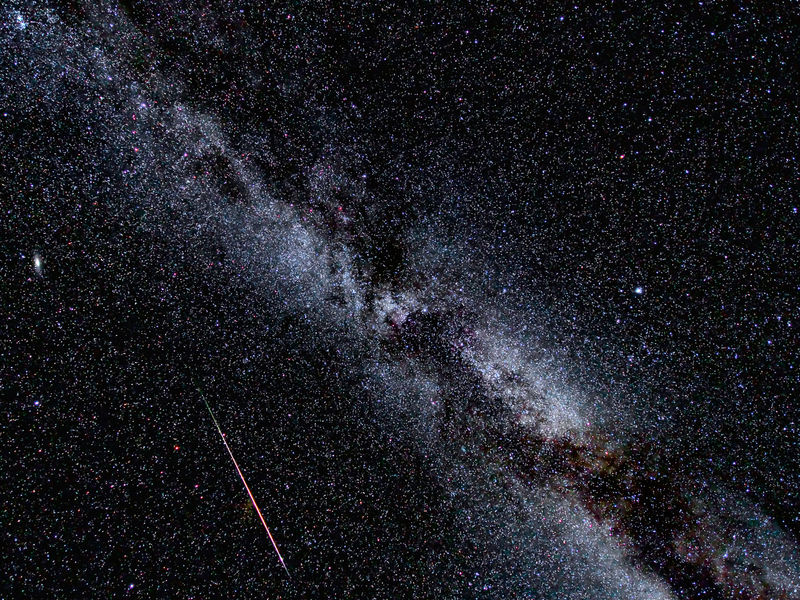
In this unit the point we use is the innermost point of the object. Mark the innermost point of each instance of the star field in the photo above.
(489, 301)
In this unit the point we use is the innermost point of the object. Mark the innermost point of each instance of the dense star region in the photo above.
(344, 300)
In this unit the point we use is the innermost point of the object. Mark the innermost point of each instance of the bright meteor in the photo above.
(249, 493)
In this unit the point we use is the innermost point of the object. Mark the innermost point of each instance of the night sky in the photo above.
(489, 301)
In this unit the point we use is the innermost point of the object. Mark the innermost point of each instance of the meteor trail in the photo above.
(249, 493)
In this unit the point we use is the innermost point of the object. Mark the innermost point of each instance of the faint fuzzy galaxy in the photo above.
(490, 301)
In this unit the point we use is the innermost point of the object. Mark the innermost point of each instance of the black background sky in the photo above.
(228, 195)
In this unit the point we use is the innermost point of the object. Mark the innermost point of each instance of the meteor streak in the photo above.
(249, 493)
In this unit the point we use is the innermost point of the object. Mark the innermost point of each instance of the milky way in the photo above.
(491, 303)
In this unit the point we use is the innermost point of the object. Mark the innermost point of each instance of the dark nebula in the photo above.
(490, 301)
